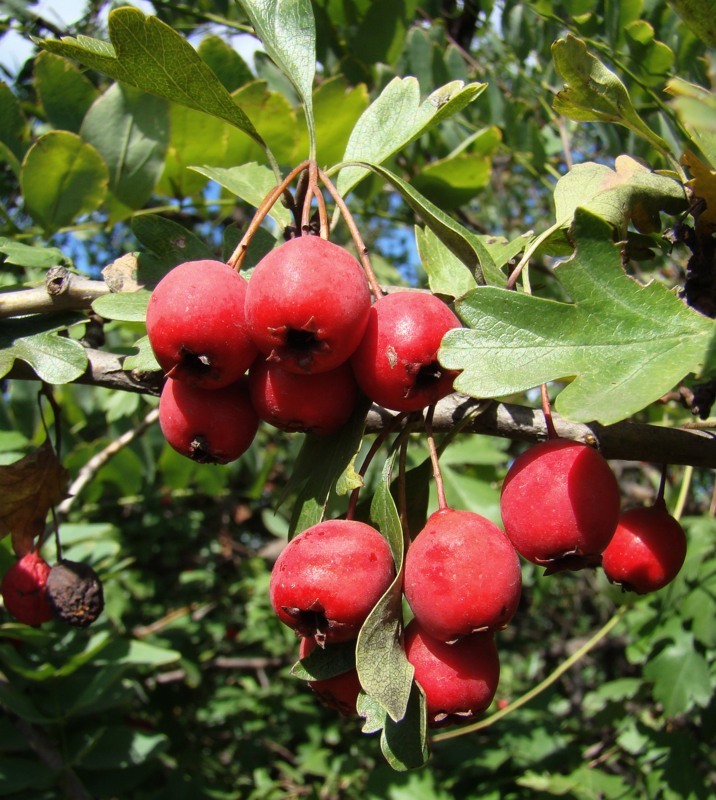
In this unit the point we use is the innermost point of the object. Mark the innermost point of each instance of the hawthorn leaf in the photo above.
(251, 182)
(326, 662)
(623, 344)
(404, 743)
(64, 91)
(228, 66)
(27, 255)
(703, 187)
(453, 181)
(681, 678)
(396, 118)
(28, 489)
(147, 53)
(468, 247)
(700, 17)
(55, 359)
(12, 124)
(61, 178)
(696, 109)
(447, 275)
(144, 359)
(592, 92)
(171, 242)
(124, 306)
(385, 673)
(287, 30)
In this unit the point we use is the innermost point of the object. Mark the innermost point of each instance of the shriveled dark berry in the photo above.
(75, 593)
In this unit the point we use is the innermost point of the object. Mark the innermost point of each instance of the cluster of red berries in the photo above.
(34, 592)
(462, 580)
(305, 329)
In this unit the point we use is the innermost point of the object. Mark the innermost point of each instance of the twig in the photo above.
(63, 291)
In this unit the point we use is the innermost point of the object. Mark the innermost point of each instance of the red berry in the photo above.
(196, 324)
(307, 305)
(339, 692)
(560, 505)
(396, 362)
(211, 427)
(24, 590)
(328, 578)
(459, 680)
(647, 550)
(462, 575)
(320, 403)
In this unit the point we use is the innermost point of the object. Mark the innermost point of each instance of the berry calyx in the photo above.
(307, 305)
(75, 593)
(210, 427)
(24, 590)
(396, 363)
(647, 550)
(339, 692)
(196, 324)
(459, 680)
(560, 505)
(319, 403)
(328, 578)
(462, 575)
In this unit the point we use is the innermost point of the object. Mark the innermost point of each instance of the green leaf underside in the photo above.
(594, 93)
(288, 33)
(143, 360)
(404, 744)
(55, 359)
(398, 117)
(384, 672)
(466, 246)
(146, 53)
(327, 662)
(624, 344)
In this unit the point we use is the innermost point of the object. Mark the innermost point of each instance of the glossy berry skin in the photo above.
(459, 680)
(307, 305)
(196, 324)
(462, 575)
(647, 550)
(320, 403)
(24, 590)
(328, 578)
(560, 505)
(396, 362)
(339, 692)
(210, 427)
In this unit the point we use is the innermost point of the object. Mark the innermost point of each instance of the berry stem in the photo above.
(683, 492)
(437, 473)
(554, 676)
(355, 233)
(662, 486)
(237, 257)
(310, 194)
(547, 411)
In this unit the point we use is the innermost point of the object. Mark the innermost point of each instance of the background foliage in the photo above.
(182, 689)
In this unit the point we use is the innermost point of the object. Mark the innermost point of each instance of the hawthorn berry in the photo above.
(339, 692)
(196, 324)
(210, 427)
(75, 593)
(328, 578)
(319, 403)
(462, 575)
(647, 550)
(24, 590)
(307, 305)
(396, 363)
(560, 505)
(459, 679)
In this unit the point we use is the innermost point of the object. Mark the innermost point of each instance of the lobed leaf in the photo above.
(623, 345)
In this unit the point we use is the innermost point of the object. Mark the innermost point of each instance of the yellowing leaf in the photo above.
(28, 488)
(703, 185)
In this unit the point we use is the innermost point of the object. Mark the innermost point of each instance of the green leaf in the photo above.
(143, 360)
(452, 182)
(224, 62)
(121, 747)
(18, 702)
(326, 662)
(170, 242)
(251, 182)
(696, 109)
(624, 344)
(26, 255)
(384, 672)
(287, 30)
(133, 651)
(130, 130)
(62, 177)
(396, 118)
(146, 53)
(404, 743)
(681, 678)
(55, 359)
(593, 92)
(12, 124)
(65, 93)
(125, 306)
(468, 248)
(447, 275)
(700, 17)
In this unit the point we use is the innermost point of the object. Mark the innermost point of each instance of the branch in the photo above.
(63, 291)
(624, 441)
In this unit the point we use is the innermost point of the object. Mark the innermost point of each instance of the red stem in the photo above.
(547, 411)
(437, 474)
